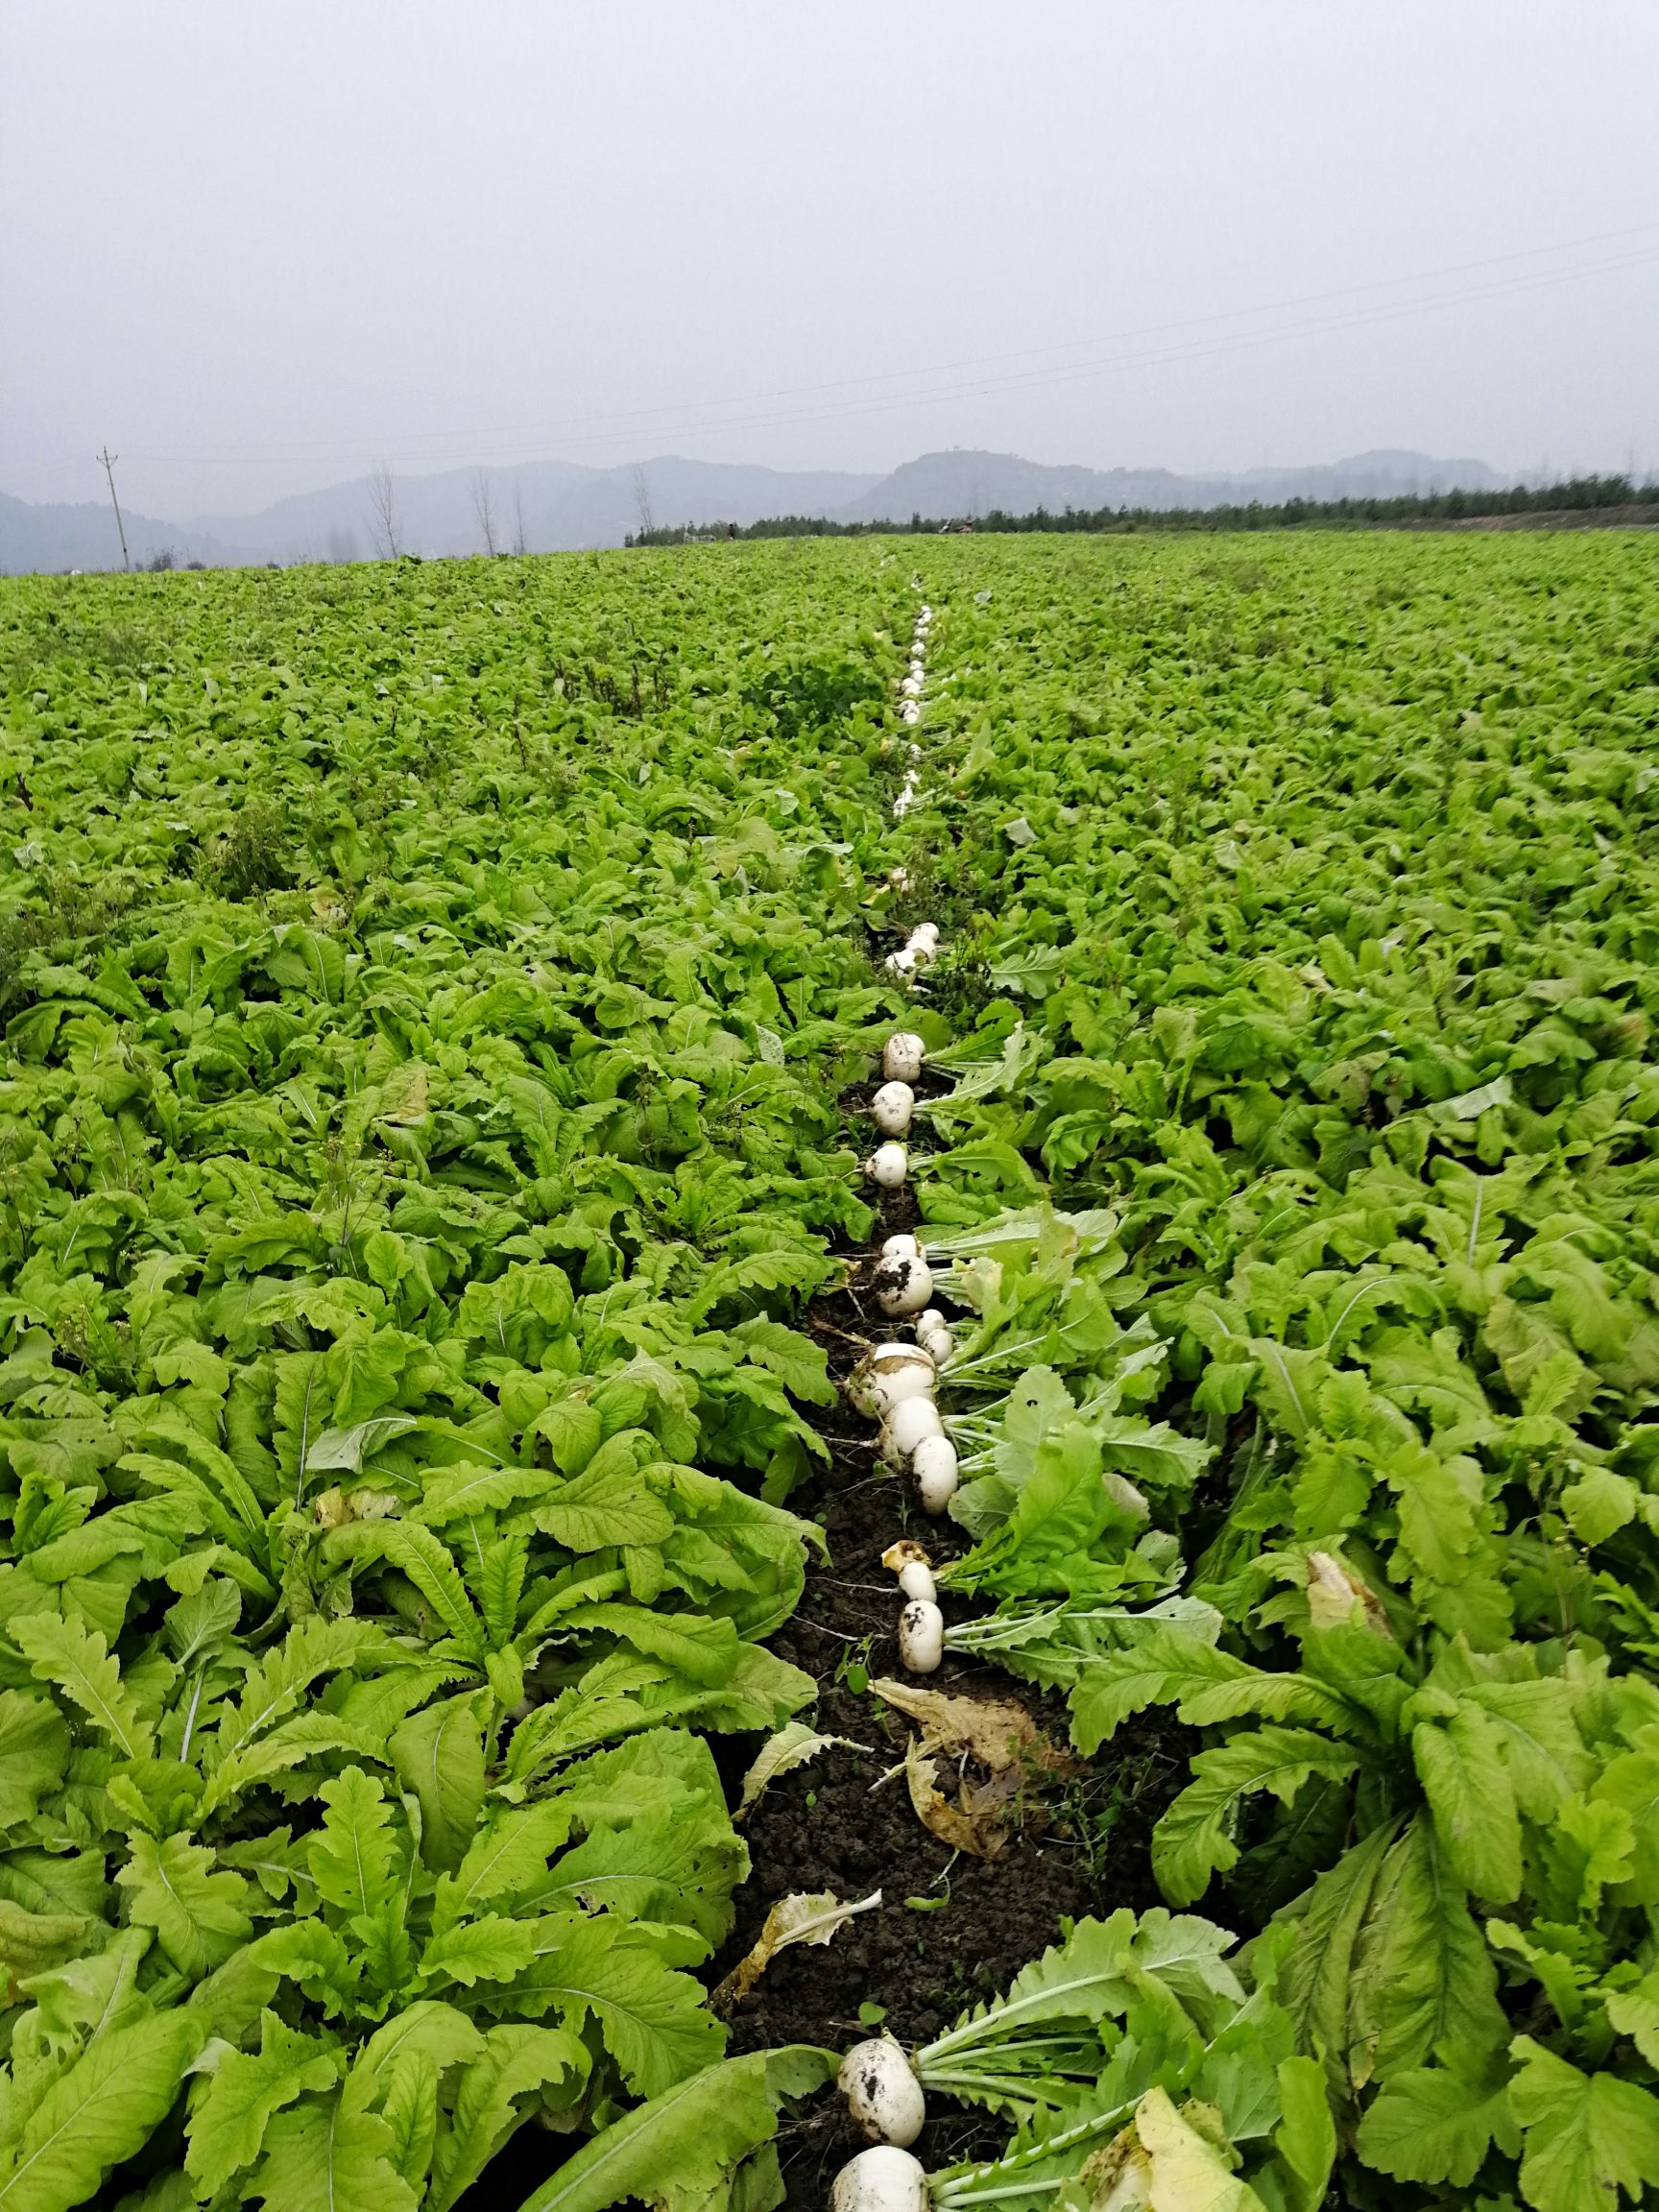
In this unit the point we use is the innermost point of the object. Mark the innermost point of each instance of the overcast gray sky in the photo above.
(255, 248)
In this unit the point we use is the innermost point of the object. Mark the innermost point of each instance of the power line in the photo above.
(665, 420)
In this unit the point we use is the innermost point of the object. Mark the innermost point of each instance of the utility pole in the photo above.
(109, 459)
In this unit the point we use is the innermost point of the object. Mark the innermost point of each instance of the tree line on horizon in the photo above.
(1575, 494)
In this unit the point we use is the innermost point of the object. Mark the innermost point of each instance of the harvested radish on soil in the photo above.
(882, 2095)
(891, 1108)
(921, 1636)
(887, 1165)
(902, 1055)
(884, 2179)
(904, 1286)
(934, 1465)
(910, 1423)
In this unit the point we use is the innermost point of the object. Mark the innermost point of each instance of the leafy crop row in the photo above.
(424, 1010)
(1303, 927)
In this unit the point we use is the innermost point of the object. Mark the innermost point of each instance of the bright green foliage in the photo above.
(1322, 959)
(426, 996)
(425, 993)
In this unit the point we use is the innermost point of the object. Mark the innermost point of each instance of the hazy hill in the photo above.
(964, 482)
(565, 505)
(83, 537)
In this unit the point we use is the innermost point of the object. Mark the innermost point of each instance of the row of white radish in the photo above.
(895, 1386)
(910, 713)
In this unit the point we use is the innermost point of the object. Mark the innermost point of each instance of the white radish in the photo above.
(934, 1463)
(901, 963)
(904, 1286)
(902, 1055)
(885, 2179)
(921, 1636)
(898, 879)
(901, 1245)
(877, 1386)
(908, 1424)
(911, 688)
(929, 1320)
(938, 1344)
(910, 711)
(925, 934)
(882, 2095)
(916, 1576)
(887, 1167)
(891, 1108)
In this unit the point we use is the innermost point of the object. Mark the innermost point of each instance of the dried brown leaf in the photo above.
(978, 1823)
(995, 1732)
(804, 1918)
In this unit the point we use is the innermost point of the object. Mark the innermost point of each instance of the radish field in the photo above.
(829, 1375)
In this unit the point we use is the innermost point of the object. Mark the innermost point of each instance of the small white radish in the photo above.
(921, 1636)
(916, 1577)
(898, 879)
(911, 688)
(904, 1286)
(910, 1422)
(925, 934)
(910, 711)
(900, 1245)
(901, 963)
(882, 2095)
(938, 1344)
(902, 1055)
(887, 1165)
(885, 2179)
(930, 1319)
(891, 1108)
(934, 1463)
(877, 1385)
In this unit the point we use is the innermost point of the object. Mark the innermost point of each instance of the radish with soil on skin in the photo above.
(902, 1055)
(877, 1386)
(885, 2179)
(921, 1636)
(887, 1167)
(904, 1286)
(901, 1245)
(933, 1464)
(891, 1108)
(883, 2097)
(901, 963)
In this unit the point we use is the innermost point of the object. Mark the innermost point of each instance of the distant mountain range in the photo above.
(556, 506)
